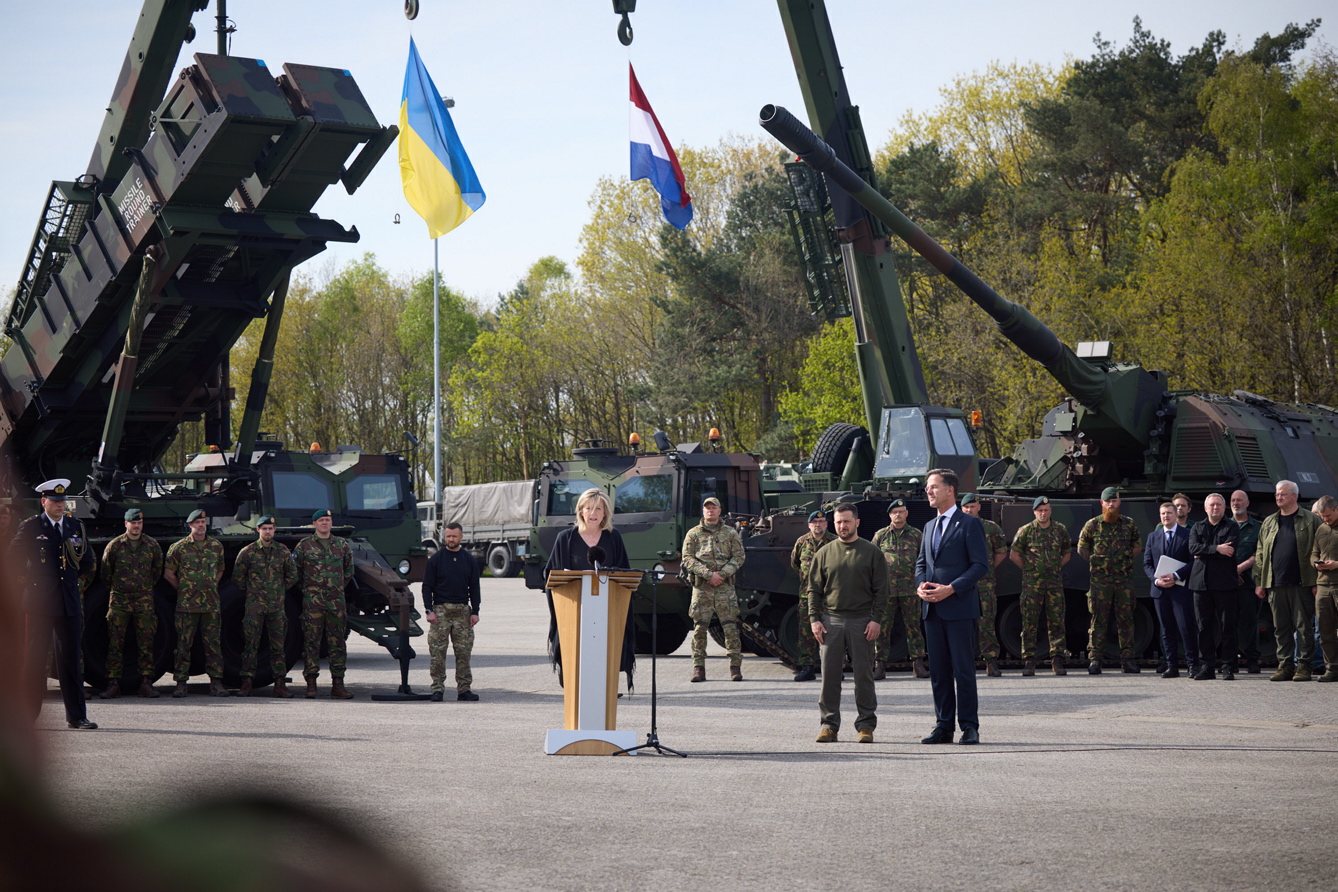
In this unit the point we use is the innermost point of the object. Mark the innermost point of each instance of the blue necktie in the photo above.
(938, 533)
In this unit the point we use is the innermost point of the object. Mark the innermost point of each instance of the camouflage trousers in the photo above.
(909, 611)
(318, 623)
(252, 625)
(120, 611)
(1107, 598)
(206, 625)
(723, 605)
(1036, 598)
(808, 645)
(451, 628)
(987, 637)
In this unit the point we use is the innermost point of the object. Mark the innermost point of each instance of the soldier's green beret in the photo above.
(196, 515)
(324, 512)
(1040, 500)
(896, 503)
(1109, 493)
(815, 515)
(264, 519)
(968, 498)
(710, 500)
(134, 514)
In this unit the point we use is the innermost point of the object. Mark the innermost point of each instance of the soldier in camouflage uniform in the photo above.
(194, 566)
(1110, 543)
(801, 556)
(132, 564)
(264, 572)
(1041, 549)
(987, 634)
(325, 566)
(900, 544)
(712, 554)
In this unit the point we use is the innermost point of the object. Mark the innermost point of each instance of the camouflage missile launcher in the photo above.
(1121, 425)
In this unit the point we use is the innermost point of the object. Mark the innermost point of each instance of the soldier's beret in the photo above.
(53, 488)
(1040, 500)
(896, 503)
(196, 515)
(968, 498)
(264, 519)
(1109, 493)
(134, 514)
(710, 500)
(324, 512)
(815, 515)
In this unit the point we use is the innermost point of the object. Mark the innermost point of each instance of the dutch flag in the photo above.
(654, 159)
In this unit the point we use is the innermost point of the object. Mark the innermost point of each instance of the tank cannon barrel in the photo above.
(1084, 381)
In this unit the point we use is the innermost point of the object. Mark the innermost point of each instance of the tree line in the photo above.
(1183, 207)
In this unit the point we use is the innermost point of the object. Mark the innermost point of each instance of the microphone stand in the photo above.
(653, 736)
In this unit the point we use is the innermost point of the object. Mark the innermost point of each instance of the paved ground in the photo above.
(1109, 782)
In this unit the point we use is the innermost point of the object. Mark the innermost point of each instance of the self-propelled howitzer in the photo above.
(1122, 425)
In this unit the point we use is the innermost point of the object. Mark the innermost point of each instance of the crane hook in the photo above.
(625, 31)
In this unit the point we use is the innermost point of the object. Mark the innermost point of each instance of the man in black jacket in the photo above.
(1213, 580)
(451, 598)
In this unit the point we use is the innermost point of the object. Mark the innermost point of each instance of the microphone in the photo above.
(596, 557)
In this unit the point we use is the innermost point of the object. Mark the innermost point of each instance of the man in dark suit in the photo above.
(48, 554)
(1175, 605)
(953, 558)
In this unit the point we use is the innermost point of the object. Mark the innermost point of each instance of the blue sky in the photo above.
(541, 91)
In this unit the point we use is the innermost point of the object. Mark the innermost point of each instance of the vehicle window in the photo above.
(905, 448)
(697, 491)
(961, 437)
(301, 491)
(562, 495)
(639, 495)
(373, 492)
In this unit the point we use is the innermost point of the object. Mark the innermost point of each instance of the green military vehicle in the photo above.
(185, 228)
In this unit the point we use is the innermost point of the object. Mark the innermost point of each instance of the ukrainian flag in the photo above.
(439, 181)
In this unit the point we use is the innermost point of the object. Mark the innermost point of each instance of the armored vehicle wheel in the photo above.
(673, 631)
(95, 640)
(833, 447)
(500, 563)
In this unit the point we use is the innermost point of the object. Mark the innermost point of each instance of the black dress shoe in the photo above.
(1228, 674)
(1206, 673)
(1171, 673)
(970, 737)
(82, 725)
(1252, 667)
(939, 735)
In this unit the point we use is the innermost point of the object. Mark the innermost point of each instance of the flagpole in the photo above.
(436, 380)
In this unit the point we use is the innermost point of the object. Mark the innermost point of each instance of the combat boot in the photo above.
(698, 673)
(311, 689)
(338, 691)
(245, 689)
(216, 688)
(827, 734)
(879, 670)
(1129, 667)
(146, 690)
(1285, 671)
(920, 667)
(1330, 675)
(805, 673)
(112, 691)
(1057, 664)
(736, 672)
(281, 689)
(992, 668)
(1029, 668)
(1094, 667)
(180, 690)
(1303, 672)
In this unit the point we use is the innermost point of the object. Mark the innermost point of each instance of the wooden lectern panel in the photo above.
(617, 586)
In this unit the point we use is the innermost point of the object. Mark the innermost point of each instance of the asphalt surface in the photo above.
(1093, 782)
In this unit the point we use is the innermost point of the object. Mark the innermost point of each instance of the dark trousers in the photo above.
(1248, 606)
(1179, 628)
(1215, 611)
(952, 670)
(845, 634)
(67, 634)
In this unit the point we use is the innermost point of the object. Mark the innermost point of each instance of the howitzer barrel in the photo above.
(1081, 379)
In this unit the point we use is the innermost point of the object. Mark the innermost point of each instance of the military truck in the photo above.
(144, 270)
(495, 519)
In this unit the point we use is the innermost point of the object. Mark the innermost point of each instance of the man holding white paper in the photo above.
(1166, 562)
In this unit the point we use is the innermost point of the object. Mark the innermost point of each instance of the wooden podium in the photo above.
(591, 609)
